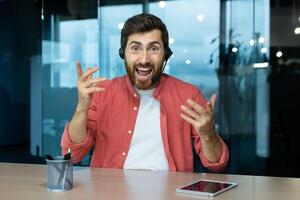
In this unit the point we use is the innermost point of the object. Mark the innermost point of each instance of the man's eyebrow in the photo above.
(139, 43)
(154, 42)
(134, 42)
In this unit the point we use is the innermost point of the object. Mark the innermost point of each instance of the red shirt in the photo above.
(111, 121)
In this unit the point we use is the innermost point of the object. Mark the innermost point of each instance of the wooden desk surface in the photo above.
(24, 181)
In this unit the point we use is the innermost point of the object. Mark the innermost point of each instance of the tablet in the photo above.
(207, 188)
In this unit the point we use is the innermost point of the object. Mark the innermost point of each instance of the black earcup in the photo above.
(121, 53)
(169, 53)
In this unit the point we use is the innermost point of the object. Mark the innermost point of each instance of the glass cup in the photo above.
(60, 174)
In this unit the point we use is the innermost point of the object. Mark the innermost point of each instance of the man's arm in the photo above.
(78, 125)
(201, 118)
(211, 147)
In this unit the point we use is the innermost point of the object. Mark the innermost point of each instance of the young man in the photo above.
(145, 119)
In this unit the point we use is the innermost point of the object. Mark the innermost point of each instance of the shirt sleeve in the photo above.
(79, 150)
(221, 164)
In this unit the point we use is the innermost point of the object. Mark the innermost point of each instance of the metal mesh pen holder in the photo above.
(60, 174)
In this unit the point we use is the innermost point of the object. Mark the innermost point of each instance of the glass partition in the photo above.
(243, 71)
(77, 31)
(70, 33)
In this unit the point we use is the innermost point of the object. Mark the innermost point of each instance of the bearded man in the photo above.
(145, 119)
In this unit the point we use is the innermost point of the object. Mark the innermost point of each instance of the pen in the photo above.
(66, 157)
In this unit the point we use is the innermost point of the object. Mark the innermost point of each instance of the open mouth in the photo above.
(143, 73)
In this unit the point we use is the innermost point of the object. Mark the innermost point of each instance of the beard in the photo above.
(143, 84)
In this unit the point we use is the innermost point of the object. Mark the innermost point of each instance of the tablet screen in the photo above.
(206, 186)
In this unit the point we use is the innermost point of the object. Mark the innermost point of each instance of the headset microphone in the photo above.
(168, 54)
(157, 76)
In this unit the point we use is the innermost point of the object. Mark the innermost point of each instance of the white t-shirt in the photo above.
(146, 148)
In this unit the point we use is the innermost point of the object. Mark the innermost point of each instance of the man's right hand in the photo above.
(86, 86)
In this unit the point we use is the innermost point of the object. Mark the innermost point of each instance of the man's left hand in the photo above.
(201, 118)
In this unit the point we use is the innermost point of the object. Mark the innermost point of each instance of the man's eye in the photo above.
(154, 49)
(134, 48)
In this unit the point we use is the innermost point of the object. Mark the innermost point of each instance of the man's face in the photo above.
(144, 57)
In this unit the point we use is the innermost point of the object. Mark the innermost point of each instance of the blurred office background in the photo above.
(246, 51)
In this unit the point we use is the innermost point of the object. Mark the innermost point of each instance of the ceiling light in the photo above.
(263, 50)
(279, 54)
(171, 40)
(261, 40)
(297, 30)
(261, 65)
(251, 42)
(200, 17)
(162, 4)
(234, 49)
(120, 25)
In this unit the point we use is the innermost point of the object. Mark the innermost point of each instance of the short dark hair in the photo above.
(142, 23)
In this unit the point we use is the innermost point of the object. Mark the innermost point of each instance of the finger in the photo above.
(190, 112)
(92, 82)
(89, 78)
(88, 73)
(213, 100)
(79, 69)
(210, 105)
(199, 109)
(209, 108)
(188, 119)
(92, 90)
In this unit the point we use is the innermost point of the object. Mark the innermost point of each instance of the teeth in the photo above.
(142, 69)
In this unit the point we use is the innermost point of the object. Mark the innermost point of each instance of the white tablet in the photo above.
(207, 188)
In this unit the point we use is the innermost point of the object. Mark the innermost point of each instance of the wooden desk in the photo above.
(23, 181)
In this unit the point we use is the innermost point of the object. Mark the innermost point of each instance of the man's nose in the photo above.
(145, 57)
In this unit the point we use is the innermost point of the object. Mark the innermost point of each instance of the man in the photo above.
(145, 119)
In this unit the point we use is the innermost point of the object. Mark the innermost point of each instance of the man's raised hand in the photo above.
(86, 86)
(199, 117)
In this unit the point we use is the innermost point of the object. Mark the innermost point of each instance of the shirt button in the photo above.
(129, 131)
(135, 95)
(123, 153)
(135, 108)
